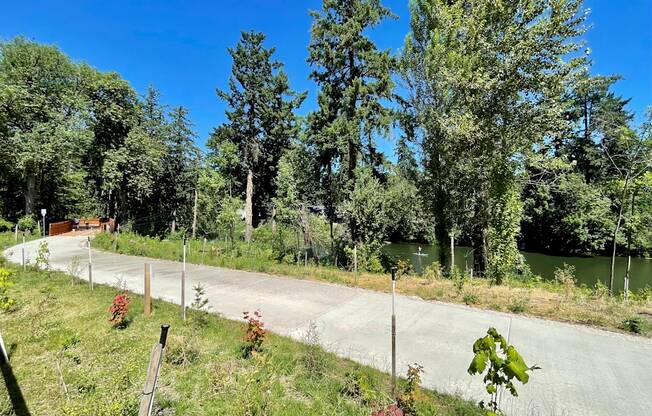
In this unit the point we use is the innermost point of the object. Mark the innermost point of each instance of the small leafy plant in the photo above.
(407, 401)
(119, 309)
(502, 363)
(255, 333)
(7, 304)
(635, 324)
(200, 306)
(391, 410)
(43, 256)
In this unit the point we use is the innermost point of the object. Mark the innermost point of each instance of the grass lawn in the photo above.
(68, 360)
(550, 300)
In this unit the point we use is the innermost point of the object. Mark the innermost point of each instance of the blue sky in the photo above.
(180, 46)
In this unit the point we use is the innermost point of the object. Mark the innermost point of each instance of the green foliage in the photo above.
(5, 225)
(43, 256)
(502, 363)
(27, 223)
(636, 324)
(407, 401)
(7, 304)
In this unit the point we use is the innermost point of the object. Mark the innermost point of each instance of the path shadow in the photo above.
(15, 395)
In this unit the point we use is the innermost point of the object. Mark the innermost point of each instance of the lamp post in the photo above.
(393, 332)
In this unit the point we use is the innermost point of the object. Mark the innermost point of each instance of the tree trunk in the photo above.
(479, 244)
(273, 219)
(305, 225)
(452, 266)
(30, 194)
(629, 246)
(615, 237)
(249, 206)
(173, 226)
(194, 215)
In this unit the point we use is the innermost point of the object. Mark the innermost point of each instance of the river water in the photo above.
(588, 269)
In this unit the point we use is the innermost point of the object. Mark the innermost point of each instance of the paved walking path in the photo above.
(585, 372)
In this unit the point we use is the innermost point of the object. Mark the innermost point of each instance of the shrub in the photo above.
(181, 351)
(403, 268)
(199, 306)
(314, 359)
(119, 309)
(635, 324)
(358, 386)
(566, 278)
(433, 271)
(27, 223)
(6, 303)
(5, 225)
(470, 299)
(502, 367)
(391, 410)
(43, 256)
(407, 401)
(254, 335)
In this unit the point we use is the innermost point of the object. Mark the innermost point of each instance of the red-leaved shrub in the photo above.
(255, 334)
(391, 410)
(119, 308)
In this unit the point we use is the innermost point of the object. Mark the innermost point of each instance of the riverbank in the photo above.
(67, 359)
(562, 301)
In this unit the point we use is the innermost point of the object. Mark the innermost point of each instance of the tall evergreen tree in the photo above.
(261, 119)
(354, 78)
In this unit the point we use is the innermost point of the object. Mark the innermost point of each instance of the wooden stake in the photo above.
(147, 290)
(355, 263)
(147, 398)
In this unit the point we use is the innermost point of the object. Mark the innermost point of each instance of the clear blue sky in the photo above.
(180, 46)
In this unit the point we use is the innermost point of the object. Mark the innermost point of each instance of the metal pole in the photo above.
(355, 263)
(16, 233)
(393, 332)
(183, 282)
(203, 250)
(24, 265)
(90, 263)
(43, 225)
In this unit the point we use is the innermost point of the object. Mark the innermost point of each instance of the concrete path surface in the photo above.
(585, 372)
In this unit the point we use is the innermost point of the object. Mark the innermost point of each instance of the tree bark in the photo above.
(615, 237)
(629, 245)
(30, 194)
(173, 226)
(479, 244)
(249, 206)
(305, 225)
(194, 215)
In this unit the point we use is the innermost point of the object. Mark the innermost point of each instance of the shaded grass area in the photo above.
(550, 300)
(68, 360)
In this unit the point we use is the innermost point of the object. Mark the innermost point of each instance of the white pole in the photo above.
(24, 265)
(183, 282)
(90, 263)
(16, 233)
(393, 333)
(43, 223)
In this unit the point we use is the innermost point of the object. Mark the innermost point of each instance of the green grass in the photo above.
(58, 324)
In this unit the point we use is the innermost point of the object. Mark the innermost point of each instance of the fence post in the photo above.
(147, 290)
(203, 250)
(90, 263)
(183, 281)
(23, 249)
(16, 233)
(147, 399)
(393, 333)
(355, 262)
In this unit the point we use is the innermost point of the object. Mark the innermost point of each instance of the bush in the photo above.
(635, 324)
(181, 351)
(43, 256)
(5, 225)
(412, 393)
(433, 271)
(358, 386)
(470, 299)
(254, 335)
(6, 303)
(27, 223)
(391, 410)
(502, 367)
(118, 310)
